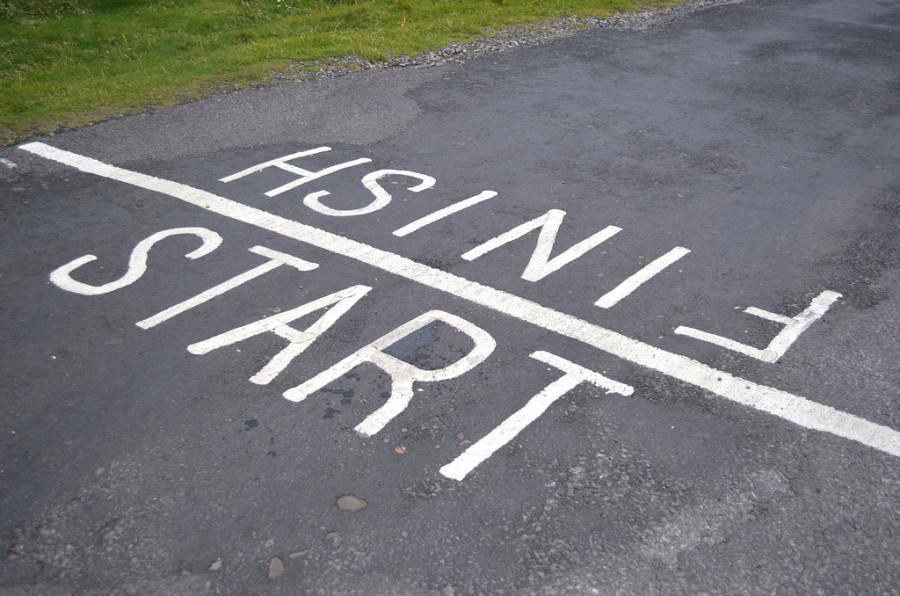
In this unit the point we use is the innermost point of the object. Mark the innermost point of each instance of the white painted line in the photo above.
(586, 375)
(308, 176)
(9, 164)
(722, 342)
(339, 303)
(643, 275)
(540, 265)
(779, 345)
(445, 212)
(381, 197)
(278, 162)
(276, 260)
(303, 175)
(137, 263)
(203, 297)
(284, 258)
(575, 375)
(402, 373)
(815, 311)
(767, 315)
(793, 408)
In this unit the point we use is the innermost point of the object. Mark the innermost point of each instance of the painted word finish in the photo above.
(542, 263)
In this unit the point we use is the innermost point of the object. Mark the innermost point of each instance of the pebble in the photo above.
(351, 503)
(276, 567)
(335, 538)
(300, 553)
(216, 565)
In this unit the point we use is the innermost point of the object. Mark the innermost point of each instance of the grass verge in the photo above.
(67, 63)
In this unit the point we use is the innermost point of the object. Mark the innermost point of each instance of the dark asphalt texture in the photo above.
(764, 136)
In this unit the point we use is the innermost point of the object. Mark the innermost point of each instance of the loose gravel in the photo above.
(497, 40)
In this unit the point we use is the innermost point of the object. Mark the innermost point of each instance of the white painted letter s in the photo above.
(370, 181)
(137, 263)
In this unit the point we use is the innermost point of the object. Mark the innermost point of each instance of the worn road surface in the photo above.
(657, 352)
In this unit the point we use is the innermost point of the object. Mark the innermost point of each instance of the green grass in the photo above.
(66, 63)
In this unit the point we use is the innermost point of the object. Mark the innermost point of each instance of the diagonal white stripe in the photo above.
(793, 408)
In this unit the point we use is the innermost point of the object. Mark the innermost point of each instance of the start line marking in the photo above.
(790, 407)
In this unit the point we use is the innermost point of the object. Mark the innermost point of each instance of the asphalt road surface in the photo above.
(616, 314)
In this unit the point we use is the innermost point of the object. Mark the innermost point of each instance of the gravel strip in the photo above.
(494, 41)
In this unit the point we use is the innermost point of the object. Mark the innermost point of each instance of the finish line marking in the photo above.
(790, 407)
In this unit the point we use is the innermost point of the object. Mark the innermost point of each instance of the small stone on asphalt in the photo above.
(351, 503)
(276, 567)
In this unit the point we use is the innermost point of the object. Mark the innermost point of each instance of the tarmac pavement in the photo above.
(617, 314)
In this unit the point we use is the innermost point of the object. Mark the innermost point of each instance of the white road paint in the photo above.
(8, 163)
(790, 407)
(642, 276)
(137, 263)
(276, 260)
(793, 327)
(574, 376)
(339, 303)
(381, 197)
(767, 315)
(304, 176)
(402, 374)
(279, 162)
(541, 265)
(445, 212)
(307, 176)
